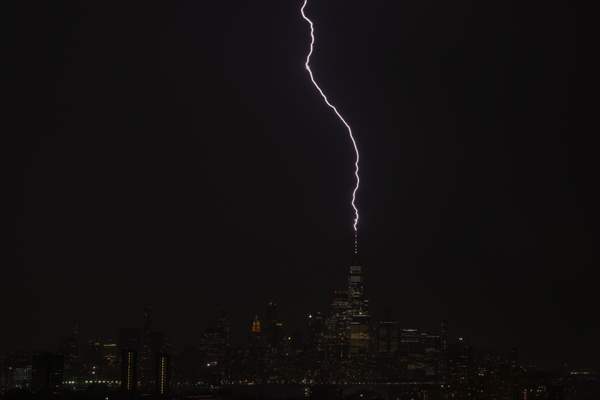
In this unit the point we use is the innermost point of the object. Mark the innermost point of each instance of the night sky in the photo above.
(177, 155)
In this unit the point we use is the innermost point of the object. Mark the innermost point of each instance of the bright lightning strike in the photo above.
(312, 78)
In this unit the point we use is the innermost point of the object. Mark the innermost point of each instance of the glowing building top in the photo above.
(255, 327)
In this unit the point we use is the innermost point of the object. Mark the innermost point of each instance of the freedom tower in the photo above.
(358, 310)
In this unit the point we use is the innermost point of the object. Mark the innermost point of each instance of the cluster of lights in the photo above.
(163, 377)
(93, 381)
(129, 371)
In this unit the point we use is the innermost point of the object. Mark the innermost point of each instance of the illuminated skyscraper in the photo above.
(129, 344)
(255, 328)
(338, 326)
(102, 360)
(255, 364)
(358, 308)
(129, 371)
(163, 374)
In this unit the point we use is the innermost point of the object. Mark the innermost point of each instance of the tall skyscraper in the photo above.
(255, 364)
(255, 328)
(338, 326)
(224, 328)
(163, 374)
(431, 356)
(146, 356)
(101, 361)
(460, 361)
(129, 344)
(358, 311)
(215, 345)
(129, 381)
(69, 347)
(387, 338)
(315, 325)
(273, 327)
(443, 367)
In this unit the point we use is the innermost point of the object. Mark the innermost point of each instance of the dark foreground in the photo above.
(567, 390)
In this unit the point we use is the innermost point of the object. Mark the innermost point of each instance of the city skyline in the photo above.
(337, 353)
(346, 322)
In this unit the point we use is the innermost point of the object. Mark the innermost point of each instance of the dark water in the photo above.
(267, 392)
(330, 392)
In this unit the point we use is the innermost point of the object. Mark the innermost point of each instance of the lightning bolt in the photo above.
(350, 134)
